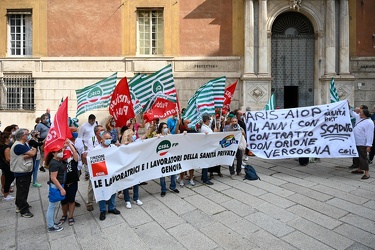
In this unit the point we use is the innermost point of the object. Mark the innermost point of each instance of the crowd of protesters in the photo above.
(22, 155)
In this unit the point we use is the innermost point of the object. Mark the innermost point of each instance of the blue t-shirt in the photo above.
(172, 125)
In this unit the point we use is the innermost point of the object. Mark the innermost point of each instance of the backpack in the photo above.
(250, 173)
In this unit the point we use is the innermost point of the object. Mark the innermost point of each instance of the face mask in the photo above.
(60, 154)
(113, 123)
(210, 123)
(134, 137)
(47, 120)
(107, 142)
(74, 134)
(101, 133)
(11, 140)
(165, 131)
(29, 137)
(242, 117)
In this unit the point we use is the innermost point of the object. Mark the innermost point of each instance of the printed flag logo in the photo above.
(94, 94)
(227, 141)
(98, 166)
(164, 146)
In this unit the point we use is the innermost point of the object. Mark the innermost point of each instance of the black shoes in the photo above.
(114, 211)
(102, 216)
(175, 191)
(42, 169)
(208, 183)
(162, 194)
(352, 166)
(77, 204)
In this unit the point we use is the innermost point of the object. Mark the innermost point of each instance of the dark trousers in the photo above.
(23, 186)
(239, 156)
(204, 177)
(372, 152)
(9, 178)
(361, 161)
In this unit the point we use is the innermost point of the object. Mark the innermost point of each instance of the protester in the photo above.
(134, 125)
(162, 132)
(363, 134)
(206, 129)
(34, 142)
(21, 164)
(43, 129)
(105, 142)
(57, 175)
(70, 159)
(129, 137)
(239, 154)
(172, 124)
(184, 127)
(372, 152)
(86, 133)
(110, 127)
(92, 143)
(7, 176)
(78, 144)
(37, 121)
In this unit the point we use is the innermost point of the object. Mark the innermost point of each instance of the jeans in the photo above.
(23, 186)
(239, 156)
(51, 211)
(35, 171)
(135, 193)
(204, 177)
(172, 186)
(111, 204)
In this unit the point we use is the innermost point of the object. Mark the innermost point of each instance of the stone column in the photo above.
(249, 37)
(330, 64)
(344, 37)
(263, 55)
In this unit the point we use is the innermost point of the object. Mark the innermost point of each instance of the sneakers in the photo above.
(246, 158)
(55, 228)
(89, 208)
(192, 183)
(37, 185)
(138, 202)
(182, 183)
(27, 215)
(128, 205)
(8, 198)
(42, 169)
(18, 210)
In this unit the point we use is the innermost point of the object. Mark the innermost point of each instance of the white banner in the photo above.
(116, 168)
(323, 131)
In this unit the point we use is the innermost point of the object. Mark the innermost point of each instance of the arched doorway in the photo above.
(292, 66)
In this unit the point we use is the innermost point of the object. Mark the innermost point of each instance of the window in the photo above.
(17, 92)
(150, 32)
(19, 33)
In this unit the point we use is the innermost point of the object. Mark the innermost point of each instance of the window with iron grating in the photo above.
(17, 93)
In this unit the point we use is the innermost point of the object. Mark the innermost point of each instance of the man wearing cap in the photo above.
(21, 164)
(86, 132)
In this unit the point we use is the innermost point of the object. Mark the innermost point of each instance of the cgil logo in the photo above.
(164, 146)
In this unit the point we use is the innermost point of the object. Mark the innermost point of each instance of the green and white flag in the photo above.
(145, 88)
(95, 96)
(334, 96)
(219, 89)
(271, 103)
(202, 102)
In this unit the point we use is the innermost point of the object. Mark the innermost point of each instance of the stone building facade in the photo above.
(288, 47)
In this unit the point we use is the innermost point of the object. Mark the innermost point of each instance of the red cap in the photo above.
(67, 154)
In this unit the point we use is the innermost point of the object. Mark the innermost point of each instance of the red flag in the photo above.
(121, 107)
(228, 94)
(161, 109)
(59, 130)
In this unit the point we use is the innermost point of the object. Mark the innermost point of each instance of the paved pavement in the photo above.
(320, 206)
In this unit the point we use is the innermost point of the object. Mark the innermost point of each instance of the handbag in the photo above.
(54, 194)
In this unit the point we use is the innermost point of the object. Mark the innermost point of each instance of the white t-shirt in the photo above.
(206, 129)
(86, 132)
